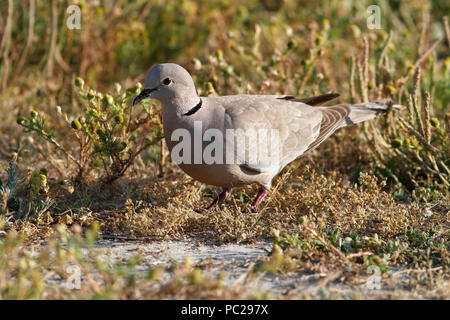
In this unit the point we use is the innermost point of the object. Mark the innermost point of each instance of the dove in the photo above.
(193, 126)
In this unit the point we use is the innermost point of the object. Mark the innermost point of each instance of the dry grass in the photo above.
(371, 195)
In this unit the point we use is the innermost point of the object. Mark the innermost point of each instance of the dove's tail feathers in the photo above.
(369, 110)
(342, 115)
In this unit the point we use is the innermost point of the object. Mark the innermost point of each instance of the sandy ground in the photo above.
(235, 260)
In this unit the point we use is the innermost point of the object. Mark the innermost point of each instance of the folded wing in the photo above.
(275, 131)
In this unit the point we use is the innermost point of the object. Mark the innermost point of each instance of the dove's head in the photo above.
(167, 81)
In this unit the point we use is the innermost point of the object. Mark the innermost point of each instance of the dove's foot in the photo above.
(260, 196)
(217, 201)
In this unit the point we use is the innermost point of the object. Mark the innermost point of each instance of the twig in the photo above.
(447, 30)
(420, 60)
(384, 50)
(359, 254)
(145, 10)
(53, 37)
(5, 44)
(418, 271)
(427, 53)
(60, 60)
(112, 237)
(330, 247)
(50, 159)
(407, 158)
(29, 38)
(7, 28)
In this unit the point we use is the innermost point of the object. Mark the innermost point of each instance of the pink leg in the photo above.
(218, 200)
(261, 194)
(223, 196)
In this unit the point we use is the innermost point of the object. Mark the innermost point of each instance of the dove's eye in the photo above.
(167, 81)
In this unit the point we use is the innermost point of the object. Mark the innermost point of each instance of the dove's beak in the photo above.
(145, 94)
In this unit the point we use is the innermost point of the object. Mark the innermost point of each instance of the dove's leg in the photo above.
(218, 200)
(261, 194)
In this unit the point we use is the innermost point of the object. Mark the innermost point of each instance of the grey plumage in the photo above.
(301, 126)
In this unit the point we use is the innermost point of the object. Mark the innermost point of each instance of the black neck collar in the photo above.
(194, 109)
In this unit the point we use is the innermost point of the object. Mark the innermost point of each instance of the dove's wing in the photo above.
(333, 118)
(275, 131)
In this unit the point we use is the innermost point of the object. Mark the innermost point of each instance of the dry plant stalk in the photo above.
(417, 116)
(410, 108)
(420, 60)
(416, 84)
(419, 136)
(363, 71)
(366, 65)
(384, 50)
(5, 45)
(382, 67)
(415, 100)
(427, 53)
(352, 80)
(30, 35)
(53, 38)
(361, 80)
(427, 117)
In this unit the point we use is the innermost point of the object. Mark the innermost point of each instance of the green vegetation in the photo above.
(76, 157)
(106, 133)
